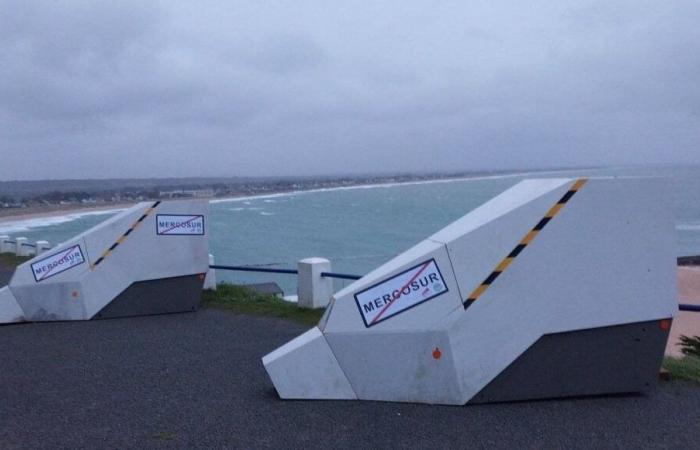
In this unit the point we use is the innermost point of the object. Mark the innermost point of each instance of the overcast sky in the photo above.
(95, 89)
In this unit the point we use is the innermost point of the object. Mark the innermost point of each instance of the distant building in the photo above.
(187, 193)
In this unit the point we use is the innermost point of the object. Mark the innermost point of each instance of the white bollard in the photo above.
(313, 290)
(21, 250)
(4, 246)
(210, 279)
(42, 246)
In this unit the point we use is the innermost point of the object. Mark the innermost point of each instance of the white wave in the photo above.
(246, 199)
(692, 226)
(236, 209)
(19, 225)
(265, 213)
(269, 201)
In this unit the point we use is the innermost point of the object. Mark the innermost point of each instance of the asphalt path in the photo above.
(5, 275)
(196, 381)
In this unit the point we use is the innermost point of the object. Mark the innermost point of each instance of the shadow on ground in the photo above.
(196, 380)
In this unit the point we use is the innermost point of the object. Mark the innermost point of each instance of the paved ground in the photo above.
(196, 380)
(5, 275)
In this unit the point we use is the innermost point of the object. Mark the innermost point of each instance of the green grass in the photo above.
(245, 301)
(11, 261)
(686, 368)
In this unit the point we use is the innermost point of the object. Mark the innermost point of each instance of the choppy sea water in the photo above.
(358, 228)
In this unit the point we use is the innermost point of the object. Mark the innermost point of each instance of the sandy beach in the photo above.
(686, 322)
(16, 215)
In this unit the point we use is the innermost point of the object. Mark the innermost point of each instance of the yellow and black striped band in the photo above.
(529, 237)
(123, 237)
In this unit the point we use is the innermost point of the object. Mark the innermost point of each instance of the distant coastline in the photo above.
(51, 197)
(11, 215)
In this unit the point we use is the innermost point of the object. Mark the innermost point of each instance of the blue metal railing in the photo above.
(343, 276)
(254, 269)
(687, 307)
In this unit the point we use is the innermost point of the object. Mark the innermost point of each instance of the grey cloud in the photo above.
(138, 88)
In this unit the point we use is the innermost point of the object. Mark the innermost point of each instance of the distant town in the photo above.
(29, 196)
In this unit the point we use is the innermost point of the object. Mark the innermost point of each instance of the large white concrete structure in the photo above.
(148, 259)
(556, 287)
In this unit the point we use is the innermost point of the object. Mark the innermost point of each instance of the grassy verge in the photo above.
(243, 300)
(686, 368)
(11, 261)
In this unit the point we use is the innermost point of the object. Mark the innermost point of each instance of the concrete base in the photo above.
(617, 359)
(167, 295)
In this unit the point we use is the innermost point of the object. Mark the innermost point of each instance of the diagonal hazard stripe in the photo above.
(123, 237)
(524, 242)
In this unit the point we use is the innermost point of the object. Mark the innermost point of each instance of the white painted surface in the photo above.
(6, 247)
(81, 291)
(20, 249)
(606, 259)
(210, 279)
(42, 247)
(346, 315)
(316, 373)
(313, 290)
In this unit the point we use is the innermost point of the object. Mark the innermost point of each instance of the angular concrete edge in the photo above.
(10, 311)
(306, 368)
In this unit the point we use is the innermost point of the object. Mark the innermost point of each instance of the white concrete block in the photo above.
(306, 368)
(354, 311)
(148, 242)
(548, 257)
(210, 279)
(42, 247)
(5, 246)
(401, 366)
(20, 249)
(313, 290)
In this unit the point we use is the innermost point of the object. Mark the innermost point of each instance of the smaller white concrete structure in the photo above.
(210, 279)
(42, 246)
(313, 290)
(20, 248)
(5, 244)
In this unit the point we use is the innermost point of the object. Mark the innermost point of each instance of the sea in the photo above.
(359, 227)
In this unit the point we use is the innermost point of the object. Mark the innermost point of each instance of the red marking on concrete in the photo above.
(437, 354)
(400, 291)
(179, 225)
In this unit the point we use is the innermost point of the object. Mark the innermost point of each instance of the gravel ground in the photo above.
(196, 380)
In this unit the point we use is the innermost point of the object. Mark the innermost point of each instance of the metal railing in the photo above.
(687, 307)
(342, 276)
(254, 269)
